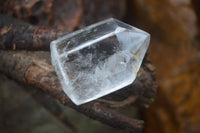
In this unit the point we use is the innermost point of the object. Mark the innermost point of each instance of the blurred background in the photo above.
(174, 26)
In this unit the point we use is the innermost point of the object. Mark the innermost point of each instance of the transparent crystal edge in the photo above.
(118, 22)
(79, 102)
(88, 43)
(97, 24)
(83, 29)
(57, 65)
(148, 42)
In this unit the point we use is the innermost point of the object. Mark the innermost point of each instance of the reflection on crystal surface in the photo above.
(98, 59)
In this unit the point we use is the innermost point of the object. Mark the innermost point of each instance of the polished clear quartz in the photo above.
(99, 59)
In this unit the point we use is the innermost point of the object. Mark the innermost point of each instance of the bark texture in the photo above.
(15, 34)
(34, 69)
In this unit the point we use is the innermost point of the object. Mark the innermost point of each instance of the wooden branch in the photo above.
(25, 67)
(15, 34)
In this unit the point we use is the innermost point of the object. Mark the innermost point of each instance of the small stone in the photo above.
(99, 59)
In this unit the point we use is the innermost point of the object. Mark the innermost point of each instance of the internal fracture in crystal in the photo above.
(98, 59)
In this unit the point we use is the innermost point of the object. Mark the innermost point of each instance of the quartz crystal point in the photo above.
(99, 59)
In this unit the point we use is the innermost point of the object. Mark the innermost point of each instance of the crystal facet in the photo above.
(98, 59)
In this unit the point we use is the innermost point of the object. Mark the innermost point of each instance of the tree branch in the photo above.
(24, 67)
(15, 34)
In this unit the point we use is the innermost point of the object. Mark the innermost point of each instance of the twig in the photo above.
(117, 104)
(15, 34)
